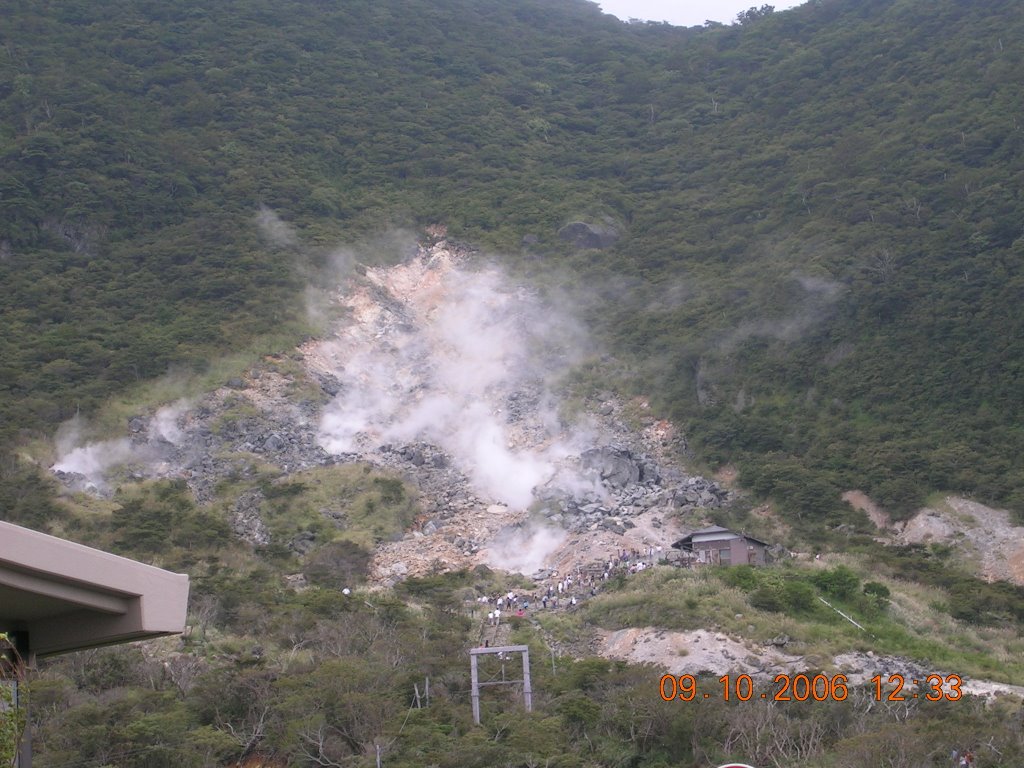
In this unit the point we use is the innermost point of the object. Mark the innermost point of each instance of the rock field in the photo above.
(364, 392)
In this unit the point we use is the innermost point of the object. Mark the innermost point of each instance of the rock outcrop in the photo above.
(589, 235)
(609, 487)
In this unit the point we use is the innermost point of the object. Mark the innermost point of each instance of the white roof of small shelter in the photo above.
(67, 596)
(712, 533)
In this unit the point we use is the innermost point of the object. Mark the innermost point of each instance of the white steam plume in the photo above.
(278, 232)
(94, 460)
(91, 460)
(441, 354)
(525, 550)
(164, 425)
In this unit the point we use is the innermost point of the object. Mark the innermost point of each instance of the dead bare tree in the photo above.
(316, 746)
(770, 736)
(183, 670)
(248, 726)
(882, 265)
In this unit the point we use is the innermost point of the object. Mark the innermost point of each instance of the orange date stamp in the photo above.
(801, 687)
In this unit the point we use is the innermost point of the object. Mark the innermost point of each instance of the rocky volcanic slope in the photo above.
(442, 371)
(445, 376)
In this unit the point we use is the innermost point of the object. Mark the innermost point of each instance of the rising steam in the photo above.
(165, 425)
(91, 460)
(94, 460)
(441, 354)
(526, 549)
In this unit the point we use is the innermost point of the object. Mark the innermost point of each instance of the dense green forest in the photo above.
(818, 276)
(820, 268)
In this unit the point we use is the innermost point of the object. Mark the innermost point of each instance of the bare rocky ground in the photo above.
(705, 652)
(696, 652)
(611, 486)
(985, 538)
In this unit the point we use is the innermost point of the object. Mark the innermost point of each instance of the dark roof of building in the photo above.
(687, 541)
(711, 529)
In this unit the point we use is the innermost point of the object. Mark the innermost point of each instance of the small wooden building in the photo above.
(716, 545)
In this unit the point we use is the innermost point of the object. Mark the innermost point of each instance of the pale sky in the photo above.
(686, 13)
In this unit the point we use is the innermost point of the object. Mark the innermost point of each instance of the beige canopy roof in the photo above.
(67, 596)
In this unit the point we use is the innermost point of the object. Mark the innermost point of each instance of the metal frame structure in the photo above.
(476, 685)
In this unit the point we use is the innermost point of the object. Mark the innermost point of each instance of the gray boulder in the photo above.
(616, 466)
(274, 443)
(585, 235)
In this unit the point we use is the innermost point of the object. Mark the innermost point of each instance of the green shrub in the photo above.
(798, 596)
(878, 591)
(768, 598)
(742, 576)
(338, 564)
(839, 582)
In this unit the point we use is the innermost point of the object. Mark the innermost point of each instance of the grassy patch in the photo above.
(667, 597)
(566, 629)
(181, 383)
(351, 502)
(913, 622)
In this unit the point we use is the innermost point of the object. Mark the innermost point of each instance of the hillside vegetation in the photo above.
(820, 267)
(321, 677)
(818, 276)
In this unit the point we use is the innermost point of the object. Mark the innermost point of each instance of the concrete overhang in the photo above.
(67, 596)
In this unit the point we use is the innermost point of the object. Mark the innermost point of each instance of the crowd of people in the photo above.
(567, 591)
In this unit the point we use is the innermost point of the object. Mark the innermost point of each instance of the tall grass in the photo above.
(913, 625)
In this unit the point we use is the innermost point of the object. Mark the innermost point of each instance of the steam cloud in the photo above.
(164, 425)
(525, 549)
(277, 231)
(92, 460)
(444, 355)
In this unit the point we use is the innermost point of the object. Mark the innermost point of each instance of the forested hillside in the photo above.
(822, 205)
(820, 267)
(816, 272)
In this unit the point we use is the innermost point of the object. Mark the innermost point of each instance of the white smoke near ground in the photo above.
(165, 423)
(276, 231)
(95, 460)
(497, 469)
(460, 359)
(366, 406)
(525, 550)
(91, 460)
